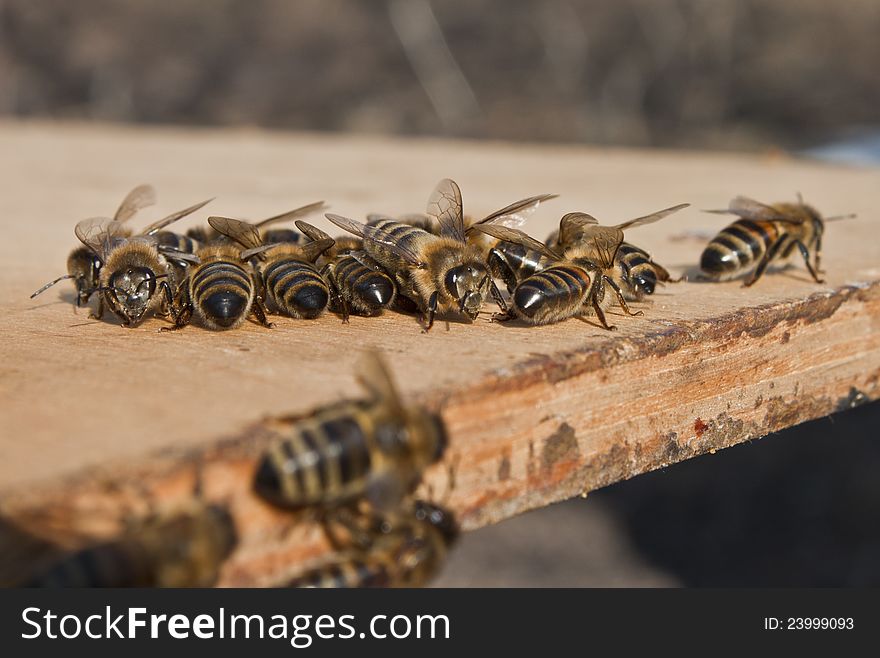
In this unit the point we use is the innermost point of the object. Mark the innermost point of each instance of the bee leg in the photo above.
(347, 518)
(507, 316)
(806, 254)
(620, 299)
(432, 311)
(765, 261)
(259, 309)
(182, 318)
(499, 267)
(496, 295)
(99, 313)
(334, 289)
(601, 315)
(664, 275)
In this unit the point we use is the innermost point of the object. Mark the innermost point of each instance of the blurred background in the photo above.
(749, 75)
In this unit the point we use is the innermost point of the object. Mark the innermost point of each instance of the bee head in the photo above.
(467, 283)
(130, 292)
(84, 267)
(437, 517)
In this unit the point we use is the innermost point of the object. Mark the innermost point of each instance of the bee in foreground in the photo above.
(375, 448)
(406, 549)
(439, 273)
(83, 264)
(358, 283)
(764, 234)
(286, 271)
(182, 549)
(633, 270)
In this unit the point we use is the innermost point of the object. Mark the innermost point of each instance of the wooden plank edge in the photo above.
(500, 461)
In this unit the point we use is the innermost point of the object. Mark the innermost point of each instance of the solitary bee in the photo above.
(374, 448)
(357, 282)
(633, 270)
(83, 264)
(286, 271)
(182, 549)
(763, 234)
(405, 549)
(442, 272)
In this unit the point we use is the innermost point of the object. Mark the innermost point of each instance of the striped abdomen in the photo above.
(283, 235)
(177, 241)
(296, 288)
(351, 573)
(366, 289)
(405, 235)
(738, 248)
(553, 294)
(638, 270)
(514, 262)
(321, 461)
(106, 565)
(222, 292)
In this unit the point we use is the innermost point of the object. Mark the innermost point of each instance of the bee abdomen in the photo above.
(737, 248)
(350, 573)
(321, 463)
(551, 292)
(223, 292)
(183, 243)
(107, 565)
(287, 235)
(637, 268)
(368, 289)
(297, 289)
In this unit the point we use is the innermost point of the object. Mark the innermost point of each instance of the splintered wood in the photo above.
(101, 423)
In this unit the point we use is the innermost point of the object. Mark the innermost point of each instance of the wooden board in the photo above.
(101, 422)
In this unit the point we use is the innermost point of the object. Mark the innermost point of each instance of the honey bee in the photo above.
(441, 272)
(83, 264)
(182, 549)
(207, 235)
(406, 549)
(287, 273)
(633, 270)
(374, 448)
(764, 234)
(357, 282)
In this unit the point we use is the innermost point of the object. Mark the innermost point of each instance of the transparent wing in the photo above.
(516, 213)
(243, 233)
(311, 232)
(602, 243)
(250, 253)
(444, 205)
(750, 209)
(373, 374)
(312, 250)
(100, 234)
(157, 226)
(571, 227)
(178, 255)
(653, 217)
(140, 197)
(292, 214)
(516, 236)
(377, 236)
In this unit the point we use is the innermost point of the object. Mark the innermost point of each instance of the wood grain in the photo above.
(101, 423)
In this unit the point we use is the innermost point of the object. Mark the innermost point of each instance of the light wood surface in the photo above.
(101, 422)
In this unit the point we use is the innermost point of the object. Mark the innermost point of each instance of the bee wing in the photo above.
(376, 236)
(373, 375)
(311, 232)
(244, 233)
(518, 237)
(157, 226)
(516, 213)
(250, 253)
(572, 226)
(100, 234)
(602, 243)
(385, 491)
(140, 197)
(444, 206)
(291, 214)
(362, 258)
(747, 208)
(653, 217)
(178, 255)
(312, 250)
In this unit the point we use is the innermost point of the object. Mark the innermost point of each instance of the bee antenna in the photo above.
(52, 283)
(835, 218)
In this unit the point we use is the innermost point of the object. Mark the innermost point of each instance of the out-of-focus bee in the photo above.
(406, 549)
(207, 235)
(83, 264)
(374, 448)
(358, 283)
(181, 549)
(440, 273)
(764, 234)
(633, 270)
(293, 285)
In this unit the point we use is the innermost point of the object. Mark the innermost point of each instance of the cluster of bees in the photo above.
(435, 264)
(356, 464)
(353, 465)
